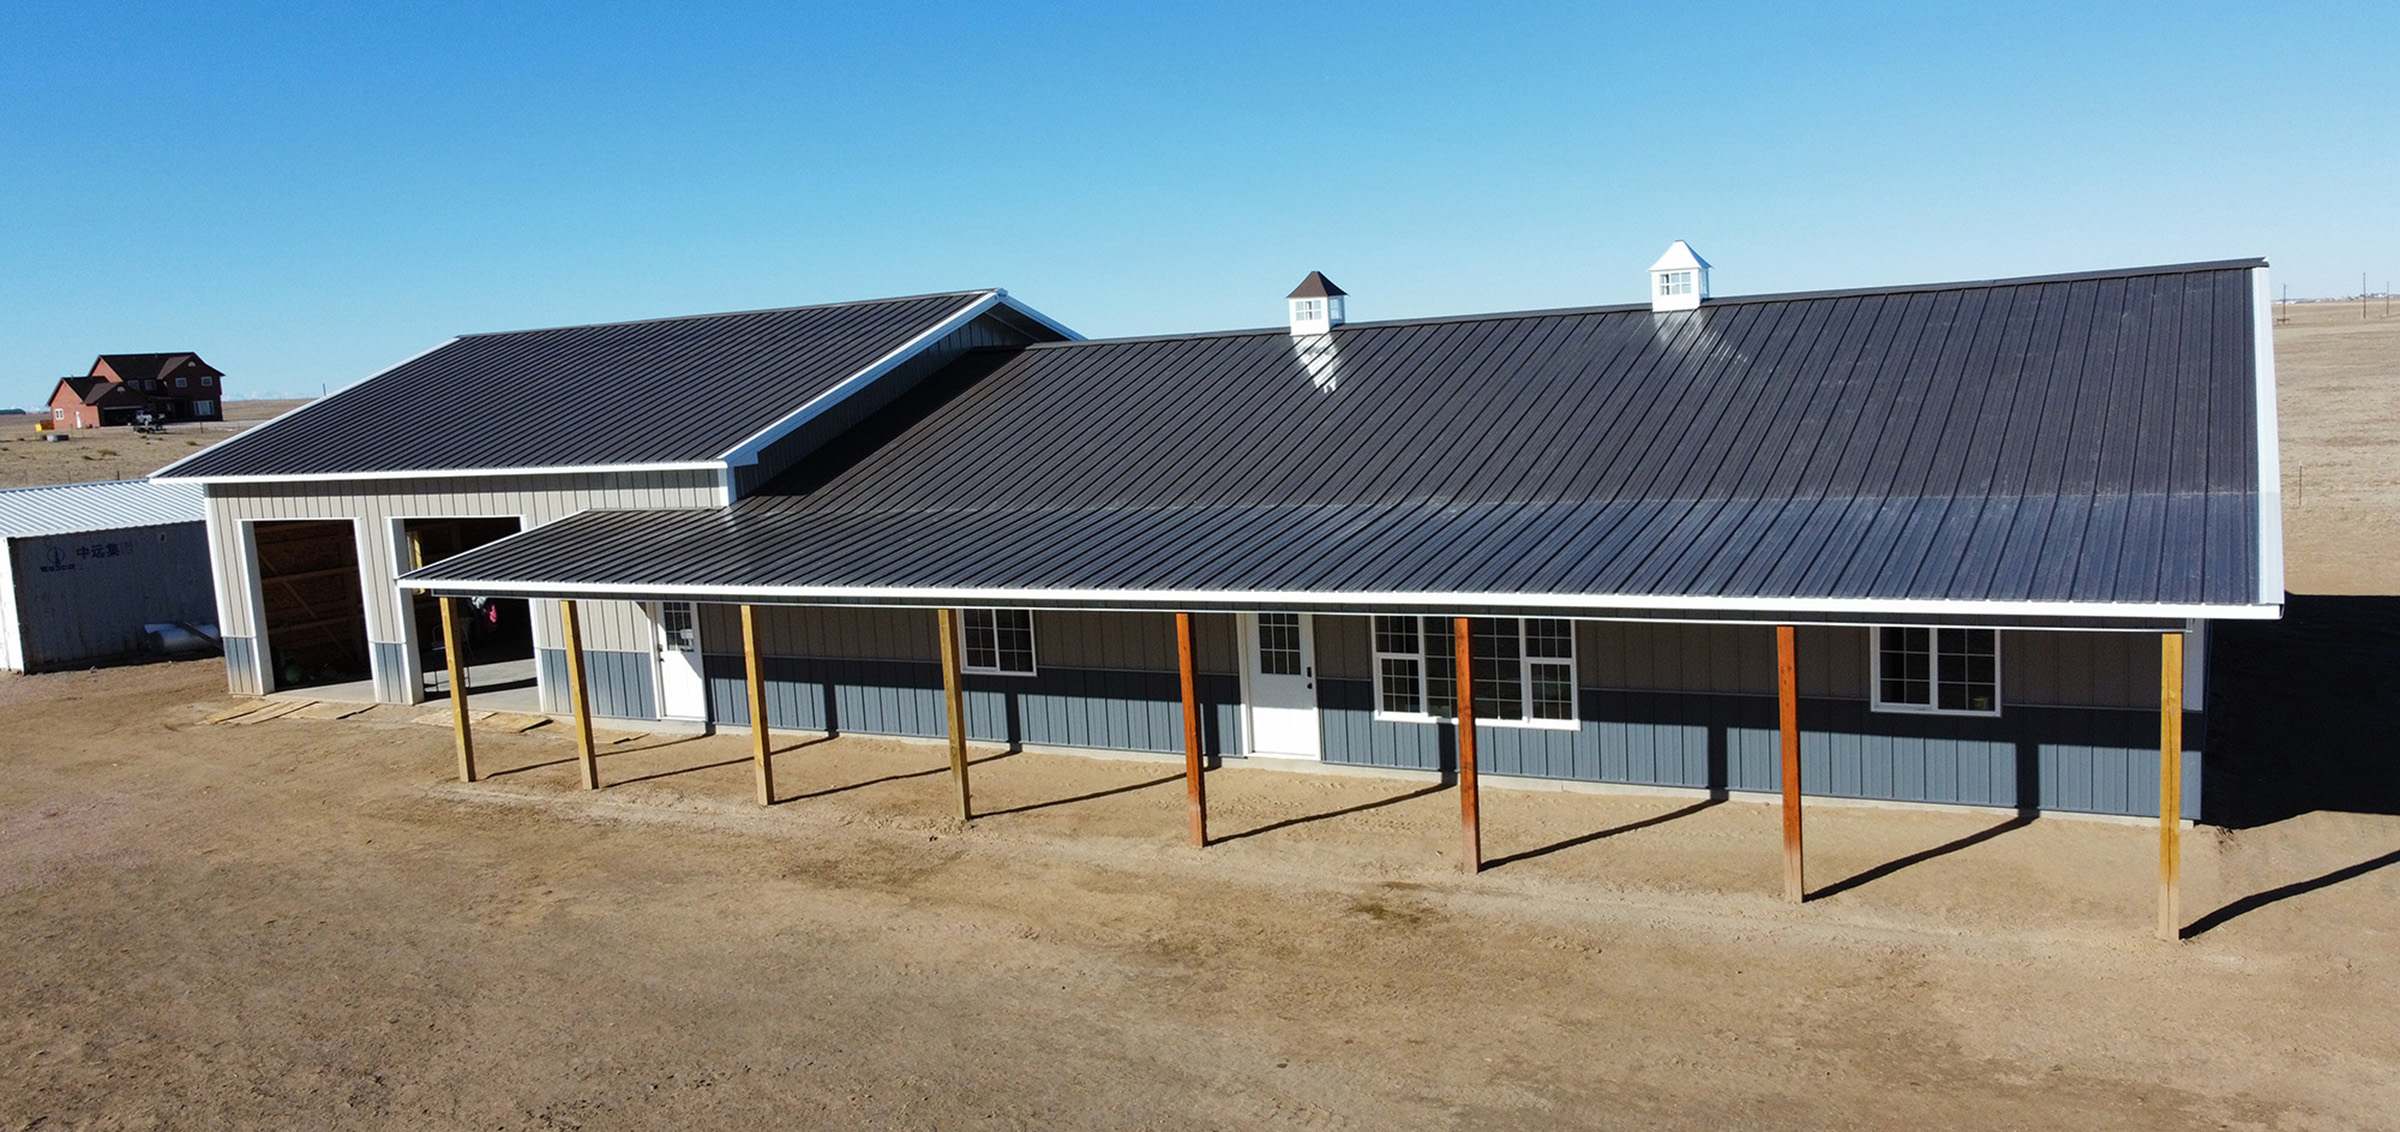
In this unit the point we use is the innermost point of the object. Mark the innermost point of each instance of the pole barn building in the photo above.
(89, 566)
(1935, 544)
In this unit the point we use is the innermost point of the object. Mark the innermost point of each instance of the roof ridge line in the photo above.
(733, 314)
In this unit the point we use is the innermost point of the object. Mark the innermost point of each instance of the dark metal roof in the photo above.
(662, 391)
(1316, 286)
(2085, 440)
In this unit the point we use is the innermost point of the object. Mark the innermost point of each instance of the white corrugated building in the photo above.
(88, 565)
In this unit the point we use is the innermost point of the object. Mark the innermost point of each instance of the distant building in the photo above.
(175, 387)
(87, 569)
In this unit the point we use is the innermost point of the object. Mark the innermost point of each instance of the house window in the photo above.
(1279, 644)
(181, 381)
(1675, 283)
(206, 381)
(679, 626)
(203, 408)
(1923, 668)
(1524, 669)
(999, 640)
(1308, 310)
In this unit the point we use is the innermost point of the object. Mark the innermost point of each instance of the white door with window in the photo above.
(682, 686)
(1281, 663)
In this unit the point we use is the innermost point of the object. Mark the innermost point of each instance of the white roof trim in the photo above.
(747, 451)
(1011, 302)
(1364, 601)
(168, 472)
(441, 473)
(2270, 466)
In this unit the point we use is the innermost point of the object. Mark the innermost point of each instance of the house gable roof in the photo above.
(659, 393)
(2073, 443)
(154, 367)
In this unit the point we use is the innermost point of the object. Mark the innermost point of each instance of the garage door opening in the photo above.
(316, 614)
(495, 633)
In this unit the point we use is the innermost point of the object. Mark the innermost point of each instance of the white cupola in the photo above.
(1679, 280)
(1316, 306)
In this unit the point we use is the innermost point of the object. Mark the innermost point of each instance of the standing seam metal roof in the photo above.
(2080, 439)
(660, 391)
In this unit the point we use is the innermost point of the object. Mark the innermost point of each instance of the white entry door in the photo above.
(1282, 663)
(682, 688)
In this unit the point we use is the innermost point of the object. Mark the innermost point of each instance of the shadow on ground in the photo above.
(2304, 713)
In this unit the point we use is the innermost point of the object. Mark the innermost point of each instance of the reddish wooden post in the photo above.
(1787, 692)
(2170, 787)
(1468, 810)
(1194, 784)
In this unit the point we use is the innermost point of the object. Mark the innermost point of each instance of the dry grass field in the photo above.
(307, 923)
(2337, 369)
(116, 453)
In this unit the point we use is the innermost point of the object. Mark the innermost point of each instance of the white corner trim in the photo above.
(2270, 454)
(463, 473)
(748, 450)
(168, 472)
(1870, 611)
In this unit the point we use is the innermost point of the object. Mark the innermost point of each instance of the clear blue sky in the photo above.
(307, 193)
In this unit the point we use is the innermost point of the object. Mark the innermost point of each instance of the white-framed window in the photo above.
(206, 381)
(998, 641)
(679, 625)
(1674, 282)
(1927, 668)
(1524, 671)
(179, 382)
(1308, 310)
(1279, 644)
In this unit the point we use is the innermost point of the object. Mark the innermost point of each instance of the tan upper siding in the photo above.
(1345, 648)
(2080, 669)
(1072, 639)
(373, 505)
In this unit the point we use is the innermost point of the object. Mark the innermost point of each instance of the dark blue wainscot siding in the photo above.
(2092, 760)
(619, 682)
(1109, 709)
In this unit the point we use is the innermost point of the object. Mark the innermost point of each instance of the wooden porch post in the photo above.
(580, 696)
(1463, 637)
(1787, 693)
(755, 673)
(2170, 786)
(1194, 785)
(458, 691)
(956, 697)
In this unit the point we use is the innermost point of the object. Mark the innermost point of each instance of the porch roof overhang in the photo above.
(1527, 559)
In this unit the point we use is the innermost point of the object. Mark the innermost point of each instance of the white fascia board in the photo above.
(446, 473)
(748, 450)
(1870, 611)
(2270, 455)
(167, 473)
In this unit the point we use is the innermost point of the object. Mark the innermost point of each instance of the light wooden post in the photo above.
(580, 696)
(1469, 811)
(755, 673)
(2170, 786)
(1195, 786)
(1787, 693)
(955, 698)
(458, 691)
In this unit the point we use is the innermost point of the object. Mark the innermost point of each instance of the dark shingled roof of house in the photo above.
(661, 391)
(153, 367)
(2089, 440)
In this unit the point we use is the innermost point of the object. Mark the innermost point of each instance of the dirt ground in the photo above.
(2337, 370)
(89, 455)
(305, 922)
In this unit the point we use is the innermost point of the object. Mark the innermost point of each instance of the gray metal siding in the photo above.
(621, 684)
(85, 597)
(391, 670)
(1106, 709)
(583, 395)
(1991, 442)
(241, 667)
